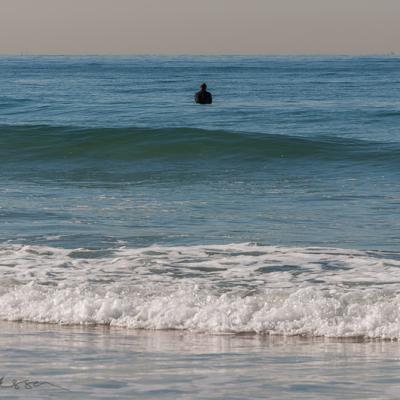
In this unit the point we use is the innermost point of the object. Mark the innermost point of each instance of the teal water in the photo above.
(295, 151)
(272, 214)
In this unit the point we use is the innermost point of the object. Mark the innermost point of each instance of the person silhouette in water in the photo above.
(203, 97)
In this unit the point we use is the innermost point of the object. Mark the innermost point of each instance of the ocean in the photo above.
(155, 248)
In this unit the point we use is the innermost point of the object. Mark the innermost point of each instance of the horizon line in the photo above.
(162, 54)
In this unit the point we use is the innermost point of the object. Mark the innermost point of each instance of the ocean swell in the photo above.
(19, 143)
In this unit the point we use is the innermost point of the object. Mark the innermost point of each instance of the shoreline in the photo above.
(173, 333)
(75, 362)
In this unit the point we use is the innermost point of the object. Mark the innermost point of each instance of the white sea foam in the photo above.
(215, 289)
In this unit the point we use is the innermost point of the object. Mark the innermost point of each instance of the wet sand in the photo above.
(52, 361)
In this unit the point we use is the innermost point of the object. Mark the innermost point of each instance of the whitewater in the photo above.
(241, 288)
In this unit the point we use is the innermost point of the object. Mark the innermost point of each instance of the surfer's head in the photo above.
(203, 86)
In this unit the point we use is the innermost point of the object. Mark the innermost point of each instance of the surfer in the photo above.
(203, 97)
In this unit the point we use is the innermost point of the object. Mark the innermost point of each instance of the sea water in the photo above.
(273, 213)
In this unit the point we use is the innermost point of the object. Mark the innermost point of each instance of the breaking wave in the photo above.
(237, 288)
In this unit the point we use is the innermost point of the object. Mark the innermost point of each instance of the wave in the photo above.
(236, 288)
(18, 143)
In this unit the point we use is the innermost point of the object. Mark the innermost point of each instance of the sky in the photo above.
(199, 26)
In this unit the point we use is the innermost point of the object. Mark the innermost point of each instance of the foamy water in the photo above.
(233, 288)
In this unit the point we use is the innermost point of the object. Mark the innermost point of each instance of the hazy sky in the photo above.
(199, 26)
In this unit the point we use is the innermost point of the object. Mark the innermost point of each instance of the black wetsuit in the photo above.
(203, 97)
